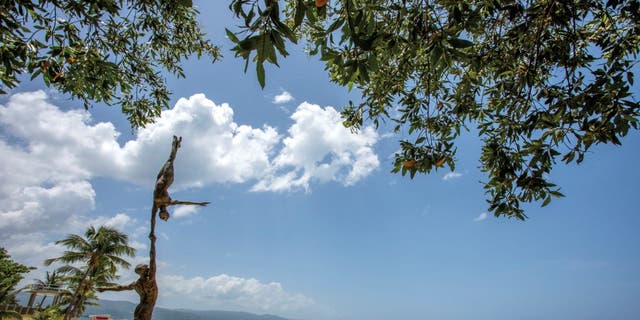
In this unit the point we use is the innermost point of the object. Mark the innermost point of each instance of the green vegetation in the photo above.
(50, 313)
(51, 280)
(100, 254)
(541, 81)
(101, 50)
(11, 273)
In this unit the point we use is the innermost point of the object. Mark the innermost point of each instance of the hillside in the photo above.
(124, 310)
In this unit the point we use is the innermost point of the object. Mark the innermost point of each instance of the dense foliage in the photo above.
(11, 273)
(90, 261)
(112, 51)
(540, 81)
(50, 313)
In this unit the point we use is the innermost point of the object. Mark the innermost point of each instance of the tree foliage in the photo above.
(11, 273)
(52, 280)
(111, 51)
(541, 81)
(52, 312)
(99, 254)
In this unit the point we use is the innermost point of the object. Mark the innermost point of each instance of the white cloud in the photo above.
(224, 291)
(452, 176)
(185, 211)
(29, 208)
(139, 246)
(283, 97)
(31, 250)
(120, 221)
(482, 216)
(215, 149)
(319, 148)
(51, 156)
(388, 135)
(60, 146)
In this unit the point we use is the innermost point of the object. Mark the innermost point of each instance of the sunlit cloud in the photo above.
(230, 292)
(481, 217)
(283, 97)
(48, 169)
(185, 211)
(319, 148)
(452, 176)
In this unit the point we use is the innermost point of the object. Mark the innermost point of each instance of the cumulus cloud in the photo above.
(31, 249)
(233, 292)
(29, 208)
(283, 97)
(46, 171)
(480, 217)
(320, 148)
(51, 156)
(215, 149)
(185, 211)
(452, 176)
(119, 222)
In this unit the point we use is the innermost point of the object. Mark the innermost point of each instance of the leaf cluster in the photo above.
(540, 81)
(111, 51)
(11, 273)
(264, 33)
(52, 312)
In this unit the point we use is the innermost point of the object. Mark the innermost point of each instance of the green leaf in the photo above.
(300, 12)
(231, 36)
(284, 29)
(556, 193)
(335, 25)
(547, 200)
(36, 73)
(436, 53)
(460, 43)
(185, 3)
(260, 73)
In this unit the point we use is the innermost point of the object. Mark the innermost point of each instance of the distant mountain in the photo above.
(124, 310)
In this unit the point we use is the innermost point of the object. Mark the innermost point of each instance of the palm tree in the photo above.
(98, 277)
(99, 254)
(51, 280)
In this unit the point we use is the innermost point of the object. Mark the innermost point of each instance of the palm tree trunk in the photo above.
(77, 296)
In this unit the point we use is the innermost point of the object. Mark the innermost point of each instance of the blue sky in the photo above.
(330, 239)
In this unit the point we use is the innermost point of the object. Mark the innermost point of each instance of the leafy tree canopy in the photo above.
(11, 273)
(541, 81)
(111, 51)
